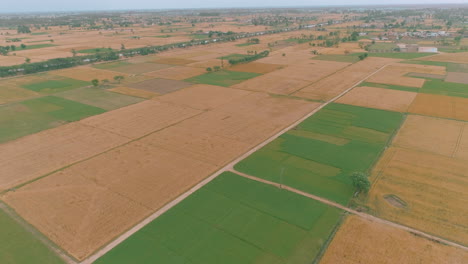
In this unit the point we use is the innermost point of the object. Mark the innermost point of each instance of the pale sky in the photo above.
(85, 5)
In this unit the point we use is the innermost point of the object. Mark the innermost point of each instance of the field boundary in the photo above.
(352, 211)
(227, 167)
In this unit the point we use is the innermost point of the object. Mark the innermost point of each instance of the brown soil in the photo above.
(177, 73)
(440, 106)
(160, 86)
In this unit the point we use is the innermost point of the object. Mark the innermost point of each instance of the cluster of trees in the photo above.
(253, 40)
(214, 69)
(363, 56)
(257, 56)
(96, 82)
(23, 29)
(5, 49)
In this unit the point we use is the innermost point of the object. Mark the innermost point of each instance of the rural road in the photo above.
(228, 167)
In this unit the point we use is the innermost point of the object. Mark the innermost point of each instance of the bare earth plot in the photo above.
(87, 73)
(160, 86)
(84, 206)
(173, 61)
(422, 190)
(334, 84)
(457, 77)
(133, 92)
(140, 68)
(379, 98)
(255, 67)
(440, 106)
(33, 156)
(362, 241)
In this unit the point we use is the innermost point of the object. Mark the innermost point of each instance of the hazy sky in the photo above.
(71, 5)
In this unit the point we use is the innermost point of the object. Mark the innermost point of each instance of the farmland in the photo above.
(131, 138)
(233, 214)
(350, 139)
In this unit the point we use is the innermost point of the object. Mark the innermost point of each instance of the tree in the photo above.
(119, 78)
(28, 60)
(23, 46)
(74, 52)
(362, 56)
(95, 82)
(23, 29)
(217, 68)
(209, 69)
(360, 182)
(122, 46)
(105, 82)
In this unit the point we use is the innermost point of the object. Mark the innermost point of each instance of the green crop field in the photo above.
(431, 86)
(246, 44)
(99, 98)
(234, 56)
(222, 78)
(352, 58)
(319, 155)
(235, 220)
(18, 246)
(96, 50)
(55, 86)
(37, 46)
(400, 55)
(32, 116)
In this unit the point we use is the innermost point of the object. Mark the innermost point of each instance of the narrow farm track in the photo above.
(360, 214)
(228, 167)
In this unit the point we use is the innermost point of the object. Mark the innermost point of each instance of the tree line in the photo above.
(246, 59)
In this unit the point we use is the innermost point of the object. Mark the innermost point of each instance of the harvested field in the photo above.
(10, 94)
(133, 92)
(33, 156)
(432, 186)
(457, 77)
(366, 242)
(440, 106)
(140, 68)
(177, 73)
(343, 79)
(272, 84)
(88, 74)
(290, 79)
(395, 74)
(137, 120)
(92, 204)
(290, 58)
(99, 98)
(255, 67)
(435, 135)
(461, 57)
(172, 61)
(349, 138)
(236, 220)
(19, 246)
(379, 98)
(426, 75)
(202, 96)
(205, 64)
(160, 86)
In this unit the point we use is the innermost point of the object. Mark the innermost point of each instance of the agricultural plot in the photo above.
(395, 75)
(401, 55)
(366, 242)
(34, 115)
(440, 106)
(173, 61)
(461, 57)
(457, 77)
(234, 219)
(222, 78)
(177, 73)
(320, 154)
(12, 93)
(99, 98)
(332, 85)
(255, 67)
(160, 86)
(18, 246)
(450, 66)
(350, 58)
(95, 50)
(87, 74)
(290, 79)
(378, 98)
(421, 190)
(54, 86)
(203, 97)
(36, 155)
(130, 68)
(133, 92)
